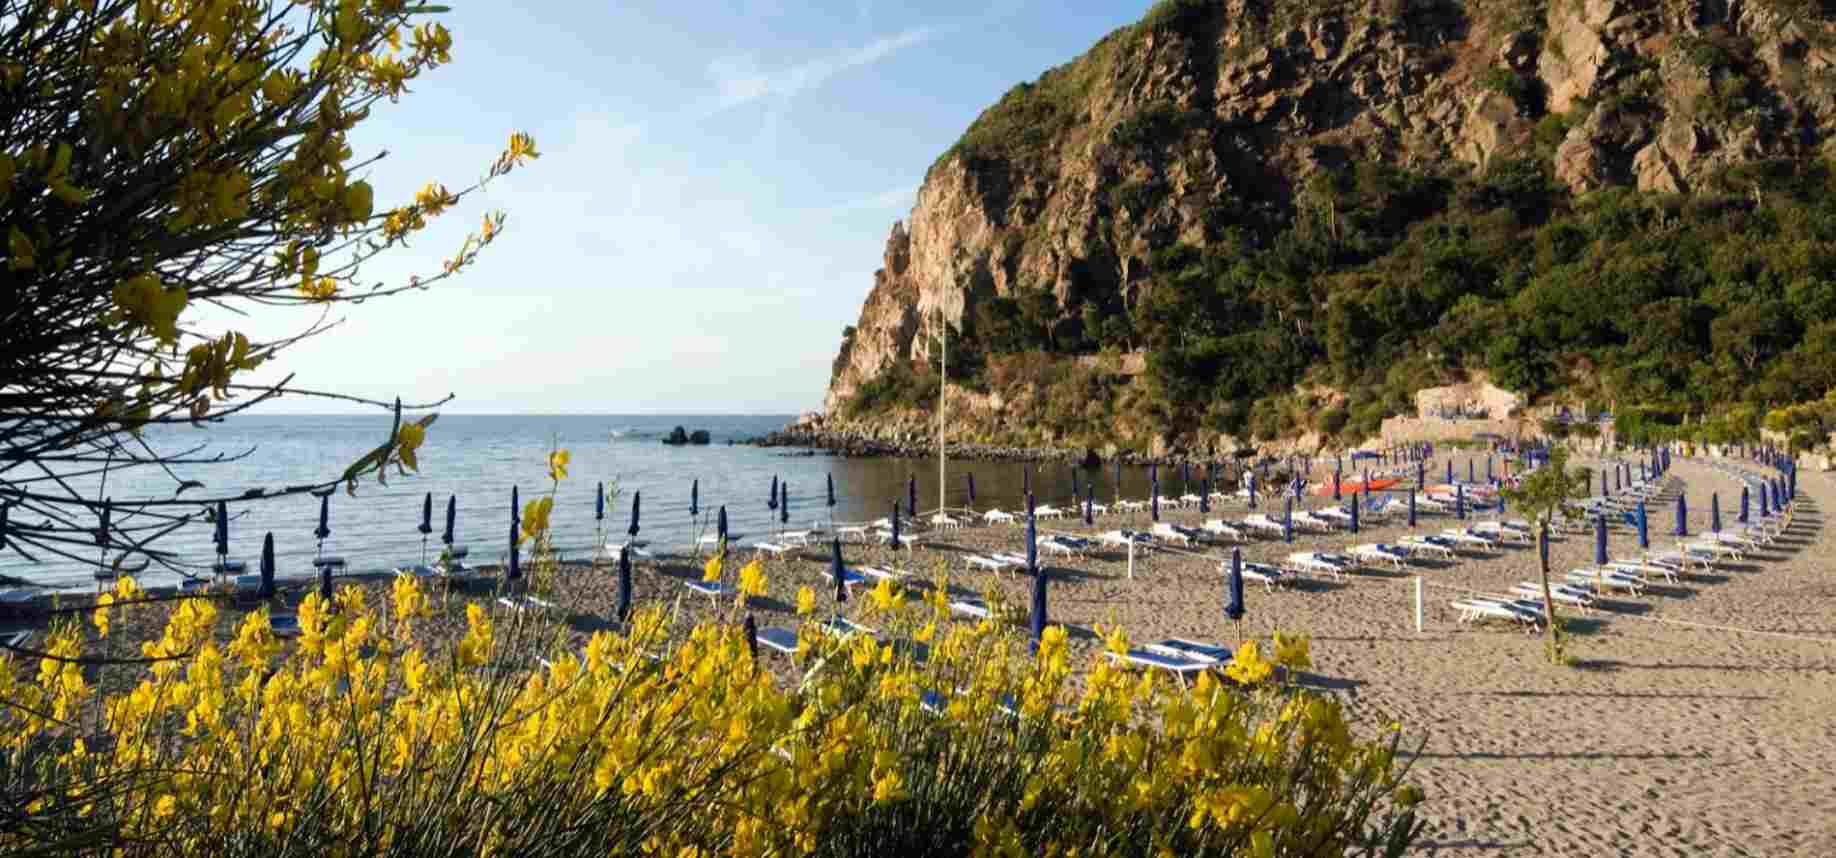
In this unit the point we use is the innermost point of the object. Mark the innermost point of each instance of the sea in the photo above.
(478, 460)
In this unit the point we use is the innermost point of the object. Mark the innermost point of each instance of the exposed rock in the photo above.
(1160, 133)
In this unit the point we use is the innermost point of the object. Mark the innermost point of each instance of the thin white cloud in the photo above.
(739, 80)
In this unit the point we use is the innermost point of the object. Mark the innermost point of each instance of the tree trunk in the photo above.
(1549, 615)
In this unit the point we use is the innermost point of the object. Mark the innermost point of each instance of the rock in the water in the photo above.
(677, 437)
(699, 436)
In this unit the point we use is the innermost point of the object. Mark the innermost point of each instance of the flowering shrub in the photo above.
(957, 740)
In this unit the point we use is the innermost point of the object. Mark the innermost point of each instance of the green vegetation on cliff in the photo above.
(1386, 281)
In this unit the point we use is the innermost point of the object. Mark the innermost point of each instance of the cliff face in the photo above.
(1208, 114)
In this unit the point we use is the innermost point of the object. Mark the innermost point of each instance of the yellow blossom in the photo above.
(752, 579)
(557, 465)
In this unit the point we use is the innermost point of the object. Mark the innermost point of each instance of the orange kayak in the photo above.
(1347, 487)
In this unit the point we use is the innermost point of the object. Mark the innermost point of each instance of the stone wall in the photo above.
(1398, 430)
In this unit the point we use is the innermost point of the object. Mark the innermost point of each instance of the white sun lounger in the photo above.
(1604, 578)
(714, 590)
(850, 578)
(1463, 536)
(1474, 610)
(1377, 552)
(1261, 522)
(1683, 559)
(778, 639)
(945, 522)
(1427, 545)
(1178, 661)
(1062, 546)
(995, 516)
(1498, 531)
(1634, 567)
(1268, 576)
(773, 548)
(1335, 515)
(1562, 593)
(877, 573)
(996, 564)
(1163, 530)
(523, 603)
(1312, 522)
(975, 608)
(1312, 563)
(1216, 527)
(1712, 548)
(852, 533)
(1099, 509)
(844, 628)
(1124, 537)
(1423, 502)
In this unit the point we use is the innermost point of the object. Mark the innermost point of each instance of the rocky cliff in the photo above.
(1212, 117)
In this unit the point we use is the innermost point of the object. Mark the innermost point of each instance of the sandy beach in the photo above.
(1659, 739)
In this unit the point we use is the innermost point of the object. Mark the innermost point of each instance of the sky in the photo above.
(716, 184)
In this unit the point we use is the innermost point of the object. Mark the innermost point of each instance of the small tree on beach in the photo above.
(158, 157)
(1542, 494)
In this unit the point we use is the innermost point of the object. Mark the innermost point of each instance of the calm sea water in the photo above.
(479, 459)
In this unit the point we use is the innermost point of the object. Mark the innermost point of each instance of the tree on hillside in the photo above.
(1542, 494)
(159, 156)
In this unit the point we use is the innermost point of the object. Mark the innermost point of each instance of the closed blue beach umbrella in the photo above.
(784, 502)
(1118, 478)
(1185, 477)
(1791, 485)
(516, 565)
(452, 518)
(324, 528)
(267, 566)
(1026, 480)
(624, 583)
(221, 537)
(637, 499)
(516, 509)
(1154, 501)
(1234, 608)
(1354, 512)
(1252, 488)
(1600, 557)
(1074, 492)
(1682, 515)
(911, 495)
(694, 498)
(1039, 606)
(720, 524)
(1421, 475)
(1469, 471)
(1743, 505)
(1459, 507)
(1287, 522)
(599, 502)
(1089, 510)
(1765, 502)
(1412, 507)
(831, 500)
(426, 527)
(771, 500)
(1542, 542)
(1488, 469)
(839, 571)
(1644, 534)
(971, 478)
(1715, 512)
(1205, 495)
(1450, 470)
(1032, 544)
(325, 584)
(1589, 476)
